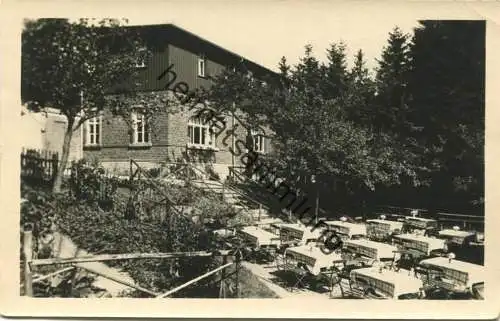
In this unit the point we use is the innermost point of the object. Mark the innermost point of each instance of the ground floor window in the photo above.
(93, 131)
(199, 133)
(259, 142)
(140, 129)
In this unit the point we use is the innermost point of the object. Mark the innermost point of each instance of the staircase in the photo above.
(237, 198)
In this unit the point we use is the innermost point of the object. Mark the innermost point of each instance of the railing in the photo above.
(193, 172)
(41, 165)
(145, 177)
(467, 221)
(77, 263)
(238, 176)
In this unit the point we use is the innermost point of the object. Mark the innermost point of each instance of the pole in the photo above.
(28, 256)
(193, 281)
(222, 291)
(317, 205)
(116, 279)
(126, 256)
(232, 136)
(238, 263)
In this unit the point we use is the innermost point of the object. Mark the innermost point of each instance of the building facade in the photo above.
(45, 131)
(179, 60)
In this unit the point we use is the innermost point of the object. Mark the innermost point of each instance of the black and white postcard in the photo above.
(250, 159)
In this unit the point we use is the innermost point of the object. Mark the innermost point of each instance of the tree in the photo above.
(311, 132)
(360, 92)
(447, 85)
(392, 80)
(335, 72)
(63, 61)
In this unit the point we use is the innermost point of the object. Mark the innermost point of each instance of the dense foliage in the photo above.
(416, 122)
(154, 227)
(73, 65)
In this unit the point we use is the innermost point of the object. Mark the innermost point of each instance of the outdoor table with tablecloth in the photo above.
(421, 243)
(378, 228)
(259, 237)
(298, 232)
(371, 249)
(457, 237)
(420, 222)
(312, 256)
(461, 274)
(389, 283)
(346, 229)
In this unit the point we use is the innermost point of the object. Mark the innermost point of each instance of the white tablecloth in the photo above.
(313, 257)
(260, 237)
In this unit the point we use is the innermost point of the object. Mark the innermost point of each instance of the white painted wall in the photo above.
(45, 130)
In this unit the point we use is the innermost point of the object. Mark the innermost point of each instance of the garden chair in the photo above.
(330, 277)
(293, 269)
(301, 273)
(280, 258)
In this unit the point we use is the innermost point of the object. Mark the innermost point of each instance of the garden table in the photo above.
(421, 243)
(346, 229)
(371, 249)
(389, 284)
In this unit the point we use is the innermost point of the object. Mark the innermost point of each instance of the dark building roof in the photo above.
(161, 34)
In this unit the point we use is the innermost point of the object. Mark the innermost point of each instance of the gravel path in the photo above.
(64, 247)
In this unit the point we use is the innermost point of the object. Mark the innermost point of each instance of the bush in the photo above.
(212, 174)
(155, 172)
(88, 181)
(98, 231)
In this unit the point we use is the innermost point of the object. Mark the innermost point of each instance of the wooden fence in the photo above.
(39, 165)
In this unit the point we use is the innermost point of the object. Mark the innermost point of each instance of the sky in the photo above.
(264, 33)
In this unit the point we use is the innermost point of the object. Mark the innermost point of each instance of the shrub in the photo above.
(155, 172)
(98, 231)
(212, 174)
(88, 181)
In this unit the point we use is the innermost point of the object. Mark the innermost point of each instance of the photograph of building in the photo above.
(169, 166)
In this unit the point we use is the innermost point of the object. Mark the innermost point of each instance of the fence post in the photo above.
(130, 172)
(260, 210)
(28, 256)
(238, 263)
(222, 290)
(55, 165)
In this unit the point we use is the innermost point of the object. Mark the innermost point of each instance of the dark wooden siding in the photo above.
(185, 65)
(155, 65)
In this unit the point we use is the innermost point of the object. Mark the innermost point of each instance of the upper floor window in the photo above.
(202, 65)
(199, 133)
(259, 142)
(93, 131)
(140, 129)
(141, 58)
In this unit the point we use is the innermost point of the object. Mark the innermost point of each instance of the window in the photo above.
(199, 133)
(141, 59)
(93, 128)
(140, 129)
(258, 142)
(202, 64)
